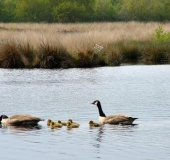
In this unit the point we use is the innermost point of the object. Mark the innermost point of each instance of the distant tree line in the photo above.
(84, 10)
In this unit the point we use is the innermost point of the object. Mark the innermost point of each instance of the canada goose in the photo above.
(72, 125)
(20, 119)
(63, 123)
(93, 124)
(70, 120)
(113, 119)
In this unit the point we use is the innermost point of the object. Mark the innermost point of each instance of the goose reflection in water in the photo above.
(22, 128)
(113, 131)
(98, 137)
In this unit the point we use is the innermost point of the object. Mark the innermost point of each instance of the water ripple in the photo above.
(139, 91)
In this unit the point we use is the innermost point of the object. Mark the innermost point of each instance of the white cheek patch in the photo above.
(96, 103)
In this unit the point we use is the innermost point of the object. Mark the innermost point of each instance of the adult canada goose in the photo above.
(113, 119)
(93, 124)
(20, 119)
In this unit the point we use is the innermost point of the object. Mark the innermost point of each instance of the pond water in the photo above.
(140, 91)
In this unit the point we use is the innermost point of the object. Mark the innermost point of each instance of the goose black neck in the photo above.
(101, 113)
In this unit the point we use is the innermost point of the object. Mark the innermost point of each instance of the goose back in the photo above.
(119, 119)
(22, 119)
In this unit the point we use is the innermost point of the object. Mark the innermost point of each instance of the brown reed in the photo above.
(24, 45)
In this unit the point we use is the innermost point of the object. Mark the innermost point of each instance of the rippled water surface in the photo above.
(140, 91)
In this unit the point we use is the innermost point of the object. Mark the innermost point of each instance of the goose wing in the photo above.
(118, 119)
(23, 119)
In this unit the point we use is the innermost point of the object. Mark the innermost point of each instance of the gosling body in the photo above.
(55, 125)
(75, 123)
(93, 124)
(72, 125)
(62, 123)
(113, 119)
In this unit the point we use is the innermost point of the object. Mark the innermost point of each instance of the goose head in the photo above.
(3, 117)
(96, 102)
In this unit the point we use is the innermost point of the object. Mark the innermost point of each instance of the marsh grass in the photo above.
(51, 56)
(129, 50)
(10, 57)
(25, 45)
(156, 52)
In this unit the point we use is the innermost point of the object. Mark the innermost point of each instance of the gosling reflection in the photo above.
(100, 134)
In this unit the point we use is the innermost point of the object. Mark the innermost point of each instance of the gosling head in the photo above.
(49, 121)
(70, 120)
(59, 121)
(91, 122)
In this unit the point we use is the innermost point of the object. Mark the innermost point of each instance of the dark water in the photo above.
(139, 91)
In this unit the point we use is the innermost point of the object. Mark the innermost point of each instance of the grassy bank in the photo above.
(25, 45)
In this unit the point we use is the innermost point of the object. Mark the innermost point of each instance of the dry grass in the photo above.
(78, 45)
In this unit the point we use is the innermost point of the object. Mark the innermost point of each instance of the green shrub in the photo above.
(160, 35)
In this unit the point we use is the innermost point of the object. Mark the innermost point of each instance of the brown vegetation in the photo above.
(80, 45)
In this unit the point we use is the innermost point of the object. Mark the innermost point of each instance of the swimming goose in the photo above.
(113, 119)
(93, 124)
(20, 119)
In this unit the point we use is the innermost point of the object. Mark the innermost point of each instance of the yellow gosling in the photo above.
(63, 123)
(70, 120)
(52, 123)
(93, 124)
(72, 125)
(69, 125)
(55, 125)
(58, 125)
(49, 122)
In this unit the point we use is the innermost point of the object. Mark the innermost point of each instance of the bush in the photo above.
(160, 35)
